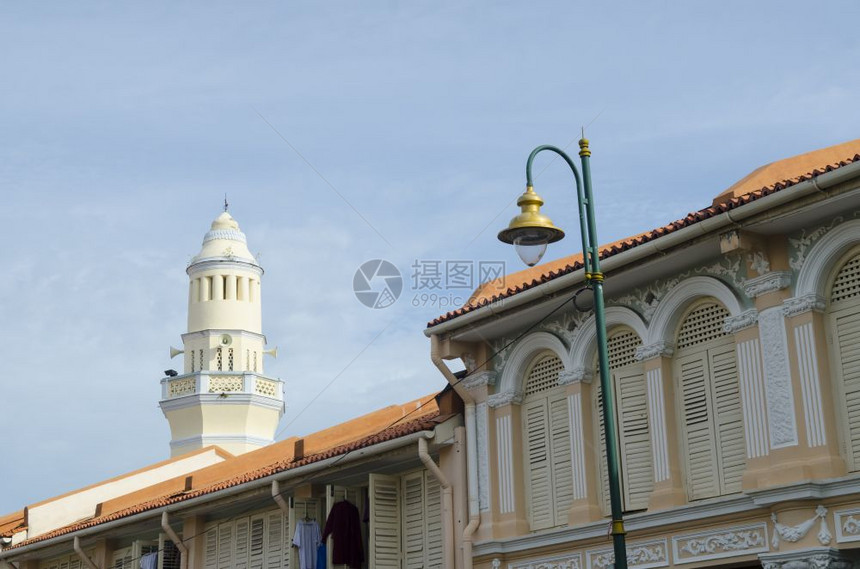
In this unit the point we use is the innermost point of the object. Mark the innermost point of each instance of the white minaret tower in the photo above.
(222, 397)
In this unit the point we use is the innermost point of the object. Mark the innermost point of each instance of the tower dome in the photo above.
(222, 397)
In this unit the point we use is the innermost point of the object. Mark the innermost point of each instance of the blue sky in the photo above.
(124, 125)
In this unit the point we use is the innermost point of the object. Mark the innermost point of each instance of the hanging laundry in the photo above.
(307, 538)
(149, 561)
(344, 525)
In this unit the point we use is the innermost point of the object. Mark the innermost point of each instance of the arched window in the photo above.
(709, 403)
(546, 438)
(631, 412)
(844, 323)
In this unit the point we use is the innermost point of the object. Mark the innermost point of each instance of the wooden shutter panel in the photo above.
(385, 541)
(845, 330)
(635, 439)
(538, 465)
(276, 552)
(256, 542)
(433, 521)
(728, 417)
(413, 520)
(696, 413)
(559, 444)
(225, 546)
(240, 544)
(210, 549)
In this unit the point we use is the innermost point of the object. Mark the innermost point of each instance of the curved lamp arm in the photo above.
(585, 228)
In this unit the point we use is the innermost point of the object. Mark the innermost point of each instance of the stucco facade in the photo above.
(734, 363)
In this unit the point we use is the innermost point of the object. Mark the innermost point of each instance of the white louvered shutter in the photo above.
(635, 439)
(75, 563)
(277, 539)
(240, 543)
(433, 521)
(413, 520)
(538, 464)
(210, 549)
(256, 541)
(845, 340)
(385, 538)
(225, 546)
(845, 330)
(728, 417)
(561, 470)
(699, 448)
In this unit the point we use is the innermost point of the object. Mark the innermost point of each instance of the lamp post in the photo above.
(530, 232)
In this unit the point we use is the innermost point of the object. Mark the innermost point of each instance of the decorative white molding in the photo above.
(815, 267)
(656, 350)
(483, 448)
(479, 379)
(793, 534)
(717, 544)
(229, 234)
(645, 300)
(801, 304)
(760, 263)
(769, 282)
(523, 353)
(807, 362)
(809, 558)
(585, 344)
(802, 245)
(657, 424)
(641, 555)
(847, 525)
(504, 450)
(746, 319)
(577, 446)
(752, 397)
(563, 562)
(497, 400)
(777, 379)
(575, 375)
(673, 305)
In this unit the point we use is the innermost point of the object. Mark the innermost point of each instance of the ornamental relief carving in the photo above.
(564, 562)
(644, 300)
(766, 283)
(794, 534)
(801, 304)
(640, 555)
(659, 349)
(847, 525)
(746, 319)
(799, 247)
(720, 543)
(505, 398)
(777, 378)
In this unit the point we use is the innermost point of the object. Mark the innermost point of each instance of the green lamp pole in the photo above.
(530, 232)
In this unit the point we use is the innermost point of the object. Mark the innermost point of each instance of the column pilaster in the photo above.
(585, 506)
(663, 426)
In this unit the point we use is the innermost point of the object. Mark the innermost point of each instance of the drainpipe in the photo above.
(471, 451)
(76, 544)
(276, 494)
(183, 551)
(447, 503)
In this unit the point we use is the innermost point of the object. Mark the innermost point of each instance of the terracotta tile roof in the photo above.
(788, 172)
(275, 458)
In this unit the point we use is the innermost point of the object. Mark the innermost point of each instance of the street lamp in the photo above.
(530, 232)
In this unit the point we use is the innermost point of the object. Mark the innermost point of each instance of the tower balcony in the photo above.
(221, 384)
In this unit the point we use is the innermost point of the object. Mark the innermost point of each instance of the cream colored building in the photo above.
(734, 347)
